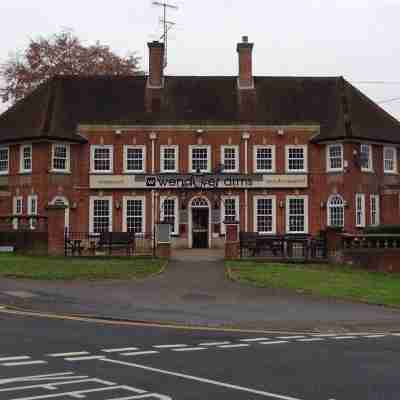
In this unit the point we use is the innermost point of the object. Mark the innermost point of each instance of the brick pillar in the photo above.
(55, 230)
(334, 243)
(232, 244)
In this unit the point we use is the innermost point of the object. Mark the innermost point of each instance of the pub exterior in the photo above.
(277, 155)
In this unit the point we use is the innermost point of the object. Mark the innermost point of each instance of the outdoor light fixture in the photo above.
(74, 205)
(199, 131)
(281, 204)
(322, 204)
(153, 135)
(281, 132)
(245, 135)
(117, 204)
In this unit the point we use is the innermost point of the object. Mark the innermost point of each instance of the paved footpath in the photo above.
(194, 290)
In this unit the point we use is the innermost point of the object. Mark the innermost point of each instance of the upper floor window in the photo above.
(101, 159)
(389, 160)
(336, 211)
(26, 158)
(335, 157)
(4, 160)
(230, 158)
(60, 157)
(366, 157)
(264, 158)
(169, 158)
(296, 158)
(134, 159)
(200, 160)
(297, 214)
(374, 209)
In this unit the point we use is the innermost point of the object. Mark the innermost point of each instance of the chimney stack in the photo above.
(245, 50)
(156, 64)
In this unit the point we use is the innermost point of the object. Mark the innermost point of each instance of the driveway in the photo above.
(194, 290)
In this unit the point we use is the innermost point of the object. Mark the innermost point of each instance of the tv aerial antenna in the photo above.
(167, 25)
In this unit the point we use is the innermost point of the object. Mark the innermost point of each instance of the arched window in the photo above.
(336, 211)
(199, 202)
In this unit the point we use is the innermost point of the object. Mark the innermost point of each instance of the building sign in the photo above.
(204, 181)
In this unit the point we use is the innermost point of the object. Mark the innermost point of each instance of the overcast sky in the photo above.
(358, 39)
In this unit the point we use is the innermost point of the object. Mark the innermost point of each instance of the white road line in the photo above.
(311, 340)
(344, 337)
(395, 334)
(119, 350)
(202, 380)
(190, 349)
(14, 358)
(275, 342)
(374, 336)
(213, 343)
(140, 353)
(169, 346)
(18, 363)
(290, 337)
(84, 358)
(254, 339)
(77, 353)
(233, 346)
(324, 334)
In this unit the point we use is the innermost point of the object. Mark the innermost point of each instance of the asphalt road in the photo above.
(44, 358)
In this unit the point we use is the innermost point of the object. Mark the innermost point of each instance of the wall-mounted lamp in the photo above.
(280, 132)
(74, 205)
(118, 132)
(322, 204)
(117, 204)
(199, 131)
(345, 203)
(281, 204)
(245, 135)
(153, 135)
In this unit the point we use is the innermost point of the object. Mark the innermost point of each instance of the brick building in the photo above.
(278, 154)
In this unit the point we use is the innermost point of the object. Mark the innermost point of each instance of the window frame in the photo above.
(362, 222)
(328, 158)
(175, 231)
(305, 158)
(329, 207)
(164, 147)
(236, 198)
(237, 158)
(394, 170)
(125, 200)
(200, 146)
(306, 214)
(93, 148)
(134, 171)
(255, 214)
(67, 168)
(273, 165)
(91, 212)
(370, 167)
(7, 171)
(22, 159)
(29, 209)
(375, 197)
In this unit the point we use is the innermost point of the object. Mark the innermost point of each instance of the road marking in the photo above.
(140, 353)
(77, 353)
(275, 342)
(120, 350)
(213, 343)
(14, 358)
(254, 339)
(169, 346)
(202, 380)
(233, 346)
(290, 337)
(15, 364)
(324, 334)
(190, 349)
(395, 334)
(84, 358)
(311, 340)
(344, 337)
(375, 336)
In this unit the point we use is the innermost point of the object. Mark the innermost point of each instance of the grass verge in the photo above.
(323, 280)
(62, 268)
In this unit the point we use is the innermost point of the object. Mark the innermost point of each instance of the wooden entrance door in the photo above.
(200, 228)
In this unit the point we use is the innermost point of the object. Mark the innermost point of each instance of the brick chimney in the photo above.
(245, 50)
(156, 65)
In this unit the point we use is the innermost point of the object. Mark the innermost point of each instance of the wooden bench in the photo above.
(256, 243)
(117, 240)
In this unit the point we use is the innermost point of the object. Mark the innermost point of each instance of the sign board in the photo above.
(203, 181)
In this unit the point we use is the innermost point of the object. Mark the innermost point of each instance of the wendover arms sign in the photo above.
(194, 181)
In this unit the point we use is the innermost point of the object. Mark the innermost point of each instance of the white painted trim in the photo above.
(255, 199)
(273, 155)
(362, 222)
(30, 198)
(22, 170)
(131, 146)
(306, 212)
(328, 163)
(200, 146)
(237, 158)
(124, 210)
(377, 210)
(15, 200)
(67, 168)
(246, 210)
(91, 210)
(294, 146)
(246, 156)
(7, 171)
(237, 210)
(370, 158)
(190, 221)
(394, 171)
(162, 148)
(176, 211)
(101, 146)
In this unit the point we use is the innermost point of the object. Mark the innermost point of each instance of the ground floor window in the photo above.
(100, 214)
(336, 211)
(32, 210)
(360, 210)
(296, 214)
(17, 209)
(265, 214)
(374, 206)
(134, 214)
(169, 212)
(229, 211)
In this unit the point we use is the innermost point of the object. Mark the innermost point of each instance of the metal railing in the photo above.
(371, 241)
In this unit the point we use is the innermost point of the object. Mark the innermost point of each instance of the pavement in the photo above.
(193, 290)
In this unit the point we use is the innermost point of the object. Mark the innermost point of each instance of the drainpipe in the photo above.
(153, 137)
(246, 137)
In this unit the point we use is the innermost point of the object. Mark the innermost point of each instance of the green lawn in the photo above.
(323, 280)
(53, 268)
